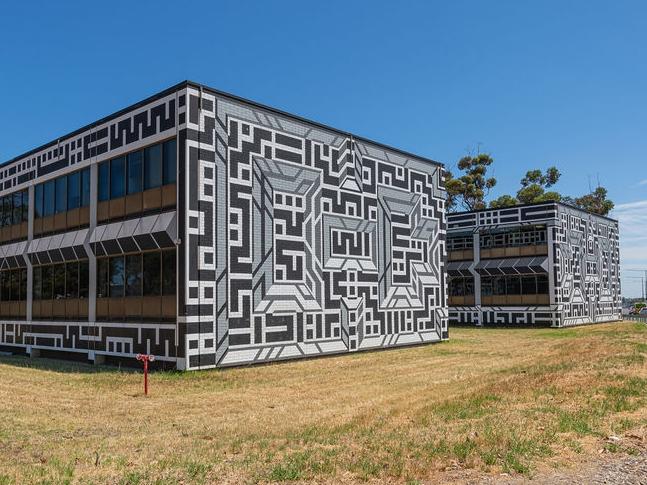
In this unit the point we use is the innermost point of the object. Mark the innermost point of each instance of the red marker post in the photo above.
(146, 358)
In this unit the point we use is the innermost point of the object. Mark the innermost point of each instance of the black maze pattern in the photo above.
(583, 266)
(149, 122)
(156, 118)
(301, 241)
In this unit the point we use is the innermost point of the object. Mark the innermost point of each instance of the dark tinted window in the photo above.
(102, 277)
(5, 286)
(513, 285)
(25, 206)
(134, 275)
(72, 280)
(168, 272)
(117, 177)
(153, 167)
(116, 277)
(37, 283)
(17, 207)
(73, 191)
(59, 281)
(61, 194)
(135, 172)
(104, 181)
(84, 278)
(498, 285)
(170, 162)
(152, 274)
(15, 285)
(38, 201)
(23, 283)
(528, 285)
(47, 286)
(7, 210)
(486, 286)
(48, 198)
(85, 187)
(542, 284)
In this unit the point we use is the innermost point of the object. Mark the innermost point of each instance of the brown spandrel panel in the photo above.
(152, 307)
(38, 226)
(152, 199)
(169, 307)
(58, 308)
(5, 234)
(83, 308)
(133, 307)
(60, 221)
(73, 219)
(84, 216)
(24, 230)
(46, 309)
(15, 231)
(117, 208)
(169, 197)
(103, 308)
(134, 203)
(116, 308)
(71, 309)
(103, 211)
(35, 309)
(48, 224)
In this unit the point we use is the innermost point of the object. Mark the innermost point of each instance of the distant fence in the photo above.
(637, 318)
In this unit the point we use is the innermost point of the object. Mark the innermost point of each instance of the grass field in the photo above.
(491, 400)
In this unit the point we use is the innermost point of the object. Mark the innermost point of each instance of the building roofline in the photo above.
(534, 204)
(188, 83)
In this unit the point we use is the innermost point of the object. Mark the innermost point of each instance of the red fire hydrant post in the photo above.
(145, 358)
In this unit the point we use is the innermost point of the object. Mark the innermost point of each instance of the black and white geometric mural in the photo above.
(293, 239)
(582, 266)
(304, 241)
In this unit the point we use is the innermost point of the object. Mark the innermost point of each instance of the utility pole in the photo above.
(644, 280)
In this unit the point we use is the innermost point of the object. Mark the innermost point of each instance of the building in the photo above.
(540, 264)
(209, 231)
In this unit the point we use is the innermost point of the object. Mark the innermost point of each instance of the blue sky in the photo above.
(532, 83)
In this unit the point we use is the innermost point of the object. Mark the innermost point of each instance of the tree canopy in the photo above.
(470, 189)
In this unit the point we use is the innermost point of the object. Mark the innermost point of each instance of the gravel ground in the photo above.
(605, 468)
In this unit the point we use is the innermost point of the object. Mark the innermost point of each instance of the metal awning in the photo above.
(511, 266)
(459, 268)
(150, 232)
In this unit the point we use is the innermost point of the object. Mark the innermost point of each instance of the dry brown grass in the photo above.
(489, 400)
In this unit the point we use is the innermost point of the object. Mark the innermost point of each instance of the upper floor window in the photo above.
(138, 171)
(14, 208)
(62, 194)
(524, 236)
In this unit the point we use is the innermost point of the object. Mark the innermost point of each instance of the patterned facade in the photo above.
(292, 239)
(580, 263)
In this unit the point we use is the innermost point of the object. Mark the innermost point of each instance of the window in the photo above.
(72, 280)
(134, 275)
(168, 272)
(7, 211)
(498, 286)
(135, 172)
(116, 277)
(59, 281)
(542, 284)
(117, 177)
(153, 167)
(61, 194)
(84, 278)
(74, 191)
(49, 190)
(38, 282)
(38, 201)
(104, 181)
(513, 285)
(528, 285)
(17, 207)
(102, 277)
(486, 286)
(152, 274)
(85, 187)
(47, 282)
(170, 162)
